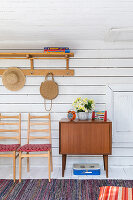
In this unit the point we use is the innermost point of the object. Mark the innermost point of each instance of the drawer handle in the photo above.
(86, 172)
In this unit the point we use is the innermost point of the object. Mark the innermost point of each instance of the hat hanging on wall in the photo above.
(49, 89)
(13, 79)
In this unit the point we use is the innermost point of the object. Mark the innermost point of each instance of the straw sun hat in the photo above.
(13, 79)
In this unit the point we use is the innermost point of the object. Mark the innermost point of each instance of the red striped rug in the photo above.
(115, 193)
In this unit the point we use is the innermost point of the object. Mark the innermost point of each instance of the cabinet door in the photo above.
(85, 138)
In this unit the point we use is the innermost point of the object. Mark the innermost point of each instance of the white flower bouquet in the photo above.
(84, 105)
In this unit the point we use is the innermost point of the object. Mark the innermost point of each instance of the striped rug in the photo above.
(115, 193)
(60, 189)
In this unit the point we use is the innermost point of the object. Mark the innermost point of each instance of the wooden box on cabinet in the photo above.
(90, 137)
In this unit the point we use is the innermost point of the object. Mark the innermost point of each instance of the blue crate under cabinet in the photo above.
(86, 169)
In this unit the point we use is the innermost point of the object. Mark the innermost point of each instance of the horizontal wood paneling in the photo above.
(93, 70)
(65, 98)
(39, 107)
(64, 90)
(85, 81)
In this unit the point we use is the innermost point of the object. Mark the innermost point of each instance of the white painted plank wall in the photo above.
(62, 20)
(93, 70)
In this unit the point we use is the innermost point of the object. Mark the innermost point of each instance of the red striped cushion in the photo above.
(35, 147)
(8, 147)
(115, 193)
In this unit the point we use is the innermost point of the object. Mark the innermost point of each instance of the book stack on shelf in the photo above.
(56, 50)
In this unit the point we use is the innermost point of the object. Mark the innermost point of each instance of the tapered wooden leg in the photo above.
(63, 163)
(51, 160)
(104, 161)
(20, 166)
(106, 164)
(27, 163)
(14, 166)
(49, 168)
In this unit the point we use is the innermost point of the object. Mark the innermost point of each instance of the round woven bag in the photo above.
(49, 89)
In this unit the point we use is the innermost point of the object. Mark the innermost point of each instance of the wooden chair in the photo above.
(27, 148)
(10, 147)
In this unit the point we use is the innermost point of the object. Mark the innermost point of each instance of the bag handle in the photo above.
(45, 105)
(48, 74)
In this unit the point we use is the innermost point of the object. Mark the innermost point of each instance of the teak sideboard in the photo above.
(89, 137)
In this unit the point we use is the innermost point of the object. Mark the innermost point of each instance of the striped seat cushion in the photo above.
(8, 147)
(35, 147)
(115, 193)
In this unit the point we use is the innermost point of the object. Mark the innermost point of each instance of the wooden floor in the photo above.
(42, 173)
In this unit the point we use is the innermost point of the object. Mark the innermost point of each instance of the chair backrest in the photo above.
(45, 124)
(17, 131)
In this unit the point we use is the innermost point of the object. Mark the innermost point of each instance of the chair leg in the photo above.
(49, 168)
(51, 160)
(14, 166)
(20, 166)
(27, 163)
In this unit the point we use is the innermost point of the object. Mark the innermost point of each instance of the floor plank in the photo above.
(42, 173)
(129, 172)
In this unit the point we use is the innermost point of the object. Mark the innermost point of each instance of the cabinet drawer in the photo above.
(85, 138)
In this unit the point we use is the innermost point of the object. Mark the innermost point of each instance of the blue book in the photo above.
(56, 48)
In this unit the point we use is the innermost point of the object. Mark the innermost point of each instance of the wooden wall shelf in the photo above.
(33, 55)
(40, 72)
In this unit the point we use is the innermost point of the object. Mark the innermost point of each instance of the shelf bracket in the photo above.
(31, 65)
(67, 62)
